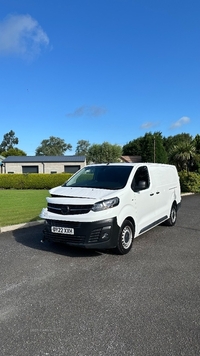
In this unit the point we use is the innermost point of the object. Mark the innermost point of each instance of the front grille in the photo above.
(60, 223)
(65, 239)
(94, 236)
(64, 209)
(81, 235)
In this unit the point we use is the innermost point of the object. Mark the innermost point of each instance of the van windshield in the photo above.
(102, 177)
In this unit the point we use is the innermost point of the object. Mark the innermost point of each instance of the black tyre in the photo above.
(125, 239)
(173, 216)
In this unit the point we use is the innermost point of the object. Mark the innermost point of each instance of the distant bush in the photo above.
(190, 182)
(32, 180)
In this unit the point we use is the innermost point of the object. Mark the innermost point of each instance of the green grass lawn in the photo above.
(21, 206)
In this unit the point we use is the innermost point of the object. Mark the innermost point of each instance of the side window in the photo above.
(141, 179)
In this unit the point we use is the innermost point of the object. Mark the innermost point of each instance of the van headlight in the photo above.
(105, 204)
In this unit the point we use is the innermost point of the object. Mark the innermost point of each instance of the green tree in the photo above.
(133, 148)
(9, 141)
(197, 143)
(54, 146)
(82, 148)
(13, 152)
(153, 149)
(171, 141)
(150, 147)
(183, 155)
(196, 166)
(104, 153)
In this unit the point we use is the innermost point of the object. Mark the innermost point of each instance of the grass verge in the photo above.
(21, 206)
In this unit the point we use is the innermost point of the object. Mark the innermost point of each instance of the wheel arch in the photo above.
(172, 215)
(174, 203)
(126, 214)
(130, 218)
(126, 236)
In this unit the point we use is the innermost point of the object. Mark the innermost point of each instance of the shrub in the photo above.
(190, 182)
(32, 181)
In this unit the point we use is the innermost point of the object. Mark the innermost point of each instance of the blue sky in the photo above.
(98, 70)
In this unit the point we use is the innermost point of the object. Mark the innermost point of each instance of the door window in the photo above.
(141, 179)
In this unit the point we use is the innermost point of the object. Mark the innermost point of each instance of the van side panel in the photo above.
(144, 209)
(166, 189)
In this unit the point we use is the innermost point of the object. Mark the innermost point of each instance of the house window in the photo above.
(29, 169)
(71, 169)
(53, 172)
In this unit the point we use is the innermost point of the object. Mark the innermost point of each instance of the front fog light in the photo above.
(105, 233)
(105, 236)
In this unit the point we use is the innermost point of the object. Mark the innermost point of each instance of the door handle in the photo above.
(157, 192)
(151, 194)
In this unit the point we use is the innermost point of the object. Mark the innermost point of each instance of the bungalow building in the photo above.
(50, 164)
(1, 163)
(43, 164)
(131, 159)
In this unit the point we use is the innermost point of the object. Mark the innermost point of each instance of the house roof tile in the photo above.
(32, 159)
(131, 159)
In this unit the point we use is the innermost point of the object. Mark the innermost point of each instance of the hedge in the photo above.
(32, 181)
(190, 182)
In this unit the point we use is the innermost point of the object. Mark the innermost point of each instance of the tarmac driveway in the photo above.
(59, 301)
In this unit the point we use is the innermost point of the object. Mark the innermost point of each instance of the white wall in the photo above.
(47, 167)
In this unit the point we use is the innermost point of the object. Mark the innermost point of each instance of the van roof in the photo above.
(148, 164)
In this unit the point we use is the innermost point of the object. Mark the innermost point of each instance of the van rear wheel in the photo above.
(173, 216)
(125, 238)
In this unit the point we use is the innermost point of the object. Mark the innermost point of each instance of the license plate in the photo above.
(62, 230)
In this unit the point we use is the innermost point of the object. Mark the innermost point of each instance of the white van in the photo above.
(106, 205)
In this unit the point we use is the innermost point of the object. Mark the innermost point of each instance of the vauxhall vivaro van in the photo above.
(107, 205)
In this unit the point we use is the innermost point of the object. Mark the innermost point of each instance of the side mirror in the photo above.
(142, 185)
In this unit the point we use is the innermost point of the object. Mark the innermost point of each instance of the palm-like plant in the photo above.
(182, 155)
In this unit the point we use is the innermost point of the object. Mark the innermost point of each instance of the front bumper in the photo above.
(101, 234)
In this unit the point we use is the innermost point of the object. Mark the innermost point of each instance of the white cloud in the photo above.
(93, 111)
(21, 35)
(147, 125)
(182, 121)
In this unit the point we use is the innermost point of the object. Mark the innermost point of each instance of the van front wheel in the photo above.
(125, 239)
